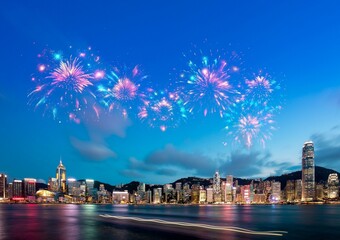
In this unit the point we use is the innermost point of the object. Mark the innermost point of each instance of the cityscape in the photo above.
(220, 191)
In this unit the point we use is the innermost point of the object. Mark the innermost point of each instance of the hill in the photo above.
(321, 175)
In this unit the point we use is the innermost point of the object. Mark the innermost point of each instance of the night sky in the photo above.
(297, 43)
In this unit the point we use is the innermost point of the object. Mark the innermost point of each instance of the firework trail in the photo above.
(165, 110)
(208, 87)
(64, 87)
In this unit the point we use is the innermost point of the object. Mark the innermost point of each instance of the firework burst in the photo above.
(165, 110)
(261, 91)
(64, 87)
(208, 87)
(125, 90)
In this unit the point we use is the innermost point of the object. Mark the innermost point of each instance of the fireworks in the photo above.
(70, 77)
(208, 88)
(251, 127)
(165, 111)
(64, 87)
(125, 90)
(68, 87)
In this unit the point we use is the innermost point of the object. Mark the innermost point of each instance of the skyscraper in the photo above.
(61, 177)
(3, 186)
(29, 187)
(308, 172)
(217, 187)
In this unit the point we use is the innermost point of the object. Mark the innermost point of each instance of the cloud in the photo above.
(170, 161)
(327, 148)
(131, 173)
(93, 150)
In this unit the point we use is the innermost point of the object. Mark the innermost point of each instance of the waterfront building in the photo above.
(157, 195)
(149, 196)
(17, 190)
(259, 198)
(229, 189)
(29, 186)
(276, 192)
(298, 190)
(90, 187)
(289, 191)
(178, 186)
(203, 196)
(119, 197)
(61, 177)
(53, 185)
(333, 186)
(217, 187)
(245, 194)
(308, 172)
(320, 191)
(73, 187)
(3, 186)
(210, 195)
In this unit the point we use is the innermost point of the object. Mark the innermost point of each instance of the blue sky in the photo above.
(298, 43)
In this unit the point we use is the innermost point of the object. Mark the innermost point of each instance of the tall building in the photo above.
(17, 189)
(333, 186)
(61, 177)
(308, 172)
(89, 187)
(298, 190)
(157, 195)
(29, 187)
(276, 192)
(53, 185)
(3, 186)
(217, 187)
(229, 189)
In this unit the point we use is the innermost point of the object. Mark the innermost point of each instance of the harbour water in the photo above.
(32, 221)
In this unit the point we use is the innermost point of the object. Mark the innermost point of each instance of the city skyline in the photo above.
(294, 43)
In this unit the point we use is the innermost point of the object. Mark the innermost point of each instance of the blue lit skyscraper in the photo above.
(308, 172)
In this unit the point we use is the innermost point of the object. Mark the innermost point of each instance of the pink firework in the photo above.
(208, 87)
(70, 76)
(166, 111)
(125, 90)
(259, 82)
(251, 127)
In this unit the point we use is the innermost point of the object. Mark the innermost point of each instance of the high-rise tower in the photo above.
(61, 177)
(308, 172)
(3, 186)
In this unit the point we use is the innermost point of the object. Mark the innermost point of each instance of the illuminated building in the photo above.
(217, 187)
(195, 193)
(229, 189)
(17, 189)
(157, 195)
(3, 186)
(210, 195)
(89, 187)
(276, 192)
(245, 193)
(203, 196)
(298, 190)
(308, 172)
(149, 196)
(45, 196)
(178, 186)
(320, 189)
(73, 187)
(290, 196)
(61, 177)
(29, 187)
(333, 186)
(53, 185)
(120, 197)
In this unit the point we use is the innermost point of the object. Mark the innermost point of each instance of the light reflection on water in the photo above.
(32, 221)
